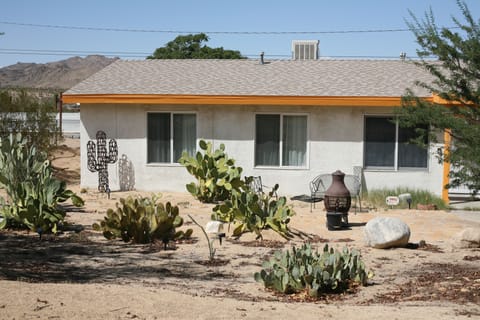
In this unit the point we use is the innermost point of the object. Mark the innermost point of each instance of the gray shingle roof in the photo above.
(322, 77)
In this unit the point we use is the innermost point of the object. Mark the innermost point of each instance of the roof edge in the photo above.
(357, 101)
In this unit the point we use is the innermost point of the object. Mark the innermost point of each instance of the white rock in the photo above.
(386, 232)
(467, 238)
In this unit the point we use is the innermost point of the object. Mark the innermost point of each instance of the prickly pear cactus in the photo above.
(216, 174)
(253, 212)
(313, 271)
(33, 193)
(143, 220)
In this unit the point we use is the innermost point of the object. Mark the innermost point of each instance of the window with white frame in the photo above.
(281, 140)
(169, 134)
(389, 146)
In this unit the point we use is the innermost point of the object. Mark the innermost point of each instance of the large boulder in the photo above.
(386, 232)
(467, 238)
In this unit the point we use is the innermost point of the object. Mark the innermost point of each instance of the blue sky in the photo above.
(44, 44)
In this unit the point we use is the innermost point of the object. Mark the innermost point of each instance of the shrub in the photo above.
(376, 198)
(23, 111)
(306, 269)
(253, 212)
(216, 174)
(143, 220)
(33, 192)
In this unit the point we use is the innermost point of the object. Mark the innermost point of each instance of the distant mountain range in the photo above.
(59, 75)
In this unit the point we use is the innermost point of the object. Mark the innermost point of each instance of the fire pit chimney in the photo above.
(337, 201)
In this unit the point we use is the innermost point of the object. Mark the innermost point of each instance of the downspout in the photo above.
(446, 166)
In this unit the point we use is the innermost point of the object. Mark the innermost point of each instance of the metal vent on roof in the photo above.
(305, 49)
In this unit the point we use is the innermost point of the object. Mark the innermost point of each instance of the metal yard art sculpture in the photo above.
(99, 159)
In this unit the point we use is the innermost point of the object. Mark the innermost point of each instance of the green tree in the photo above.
(20, 112)
(191, 47)
(456, 80)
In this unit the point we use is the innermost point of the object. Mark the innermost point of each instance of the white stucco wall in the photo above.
(335, 142)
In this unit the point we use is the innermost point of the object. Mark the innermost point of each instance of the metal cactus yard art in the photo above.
(99, 159)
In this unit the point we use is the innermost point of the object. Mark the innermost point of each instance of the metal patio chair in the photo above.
(354, 185)
(257, 186)
(318, 186)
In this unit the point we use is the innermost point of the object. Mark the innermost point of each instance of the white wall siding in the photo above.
(335, 142)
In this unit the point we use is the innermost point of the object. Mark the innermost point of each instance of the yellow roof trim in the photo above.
(436, 99)
(232, 100)
(446, 165)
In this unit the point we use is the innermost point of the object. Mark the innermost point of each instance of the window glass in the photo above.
(158, 128)
(161, 138)
(410, 155)
(267, 140)
(281, 140)
(184, 135)
(294, 140)
(384, 139)
(379, 142)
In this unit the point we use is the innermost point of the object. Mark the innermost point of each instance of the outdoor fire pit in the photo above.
(337, 202)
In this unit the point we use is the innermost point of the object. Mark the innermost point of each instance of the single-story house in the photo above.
(284, 120)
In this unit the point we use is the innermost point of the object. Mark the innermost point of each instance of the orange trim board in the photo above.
(351, 101)
(446, 167)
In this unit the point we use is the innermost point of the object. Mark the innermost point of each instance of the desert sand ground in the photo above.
(78, 274)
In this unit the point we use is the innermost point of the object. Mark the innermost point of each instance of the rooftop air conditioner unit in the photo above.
(305, 49)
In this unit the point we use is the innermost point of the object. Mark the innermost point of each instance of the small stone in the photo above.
(467, 238)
